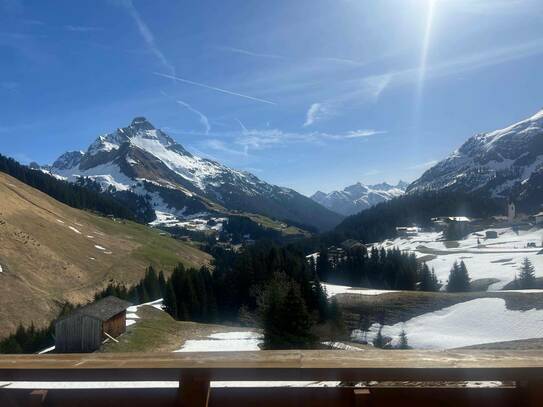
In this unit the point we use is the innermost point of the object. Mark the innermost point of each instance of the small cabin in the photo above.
(84, 329)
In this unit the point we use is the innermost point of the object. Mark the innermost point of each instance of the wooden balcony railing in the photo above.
(195, 371)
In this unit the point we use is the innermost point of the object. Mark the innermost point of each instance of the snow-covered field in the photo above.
(225, 342)
(483, 320)
(333, 289)
(490, 258)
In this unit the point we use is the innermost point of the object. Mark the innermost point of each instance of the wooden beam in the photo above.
(362, 397)
(279, 365)
(194, 391)
(37, 398)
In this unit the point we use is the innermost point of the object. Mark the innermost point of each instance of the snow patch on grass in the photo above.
(333, 289)
(225, 342)
(74, 230)
(483, 320)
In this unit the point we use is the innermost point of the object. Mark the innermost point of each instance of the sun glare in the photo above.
(431, 7)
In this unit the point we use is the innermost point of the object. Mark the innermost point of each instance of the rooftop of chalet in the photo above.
(103, 309)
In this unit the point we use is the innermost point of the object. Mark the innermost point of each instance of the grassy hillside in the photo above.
(51, 253)
(157, 331)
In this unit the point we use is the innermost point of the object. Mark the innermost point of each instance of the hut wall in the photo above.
(78, 334)
(116, 325)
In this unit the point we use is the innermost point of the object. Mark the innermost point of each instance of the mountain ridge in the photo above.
(501, 164)
(145, 160)
(358, 197)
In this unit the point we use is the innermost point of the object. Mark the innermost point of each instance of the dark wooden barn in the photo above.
(84, 329)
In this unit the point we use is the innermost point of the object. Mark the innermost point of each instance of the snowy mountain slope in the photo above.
(495, 163)
(145, 160)
(358, 197)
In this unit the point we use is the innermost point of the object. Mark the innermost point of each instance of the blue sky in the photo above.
(310, 94)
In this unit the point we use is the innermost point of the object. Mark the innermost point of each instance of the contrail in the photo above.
(202, 85)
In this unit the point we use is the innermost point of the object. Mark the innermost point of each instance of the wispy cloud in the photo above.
(364, 90)
(220, 145)
(362, 133)
(225, 91)
(263, 139)
(472, 62)
(243, 128)
(203, 117)
(424, 165)
(252, 53)
(82, 28)
(147, 35)
(316, 111)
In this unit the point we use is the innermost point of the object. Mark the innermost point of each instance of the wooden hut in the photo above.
(85, 328)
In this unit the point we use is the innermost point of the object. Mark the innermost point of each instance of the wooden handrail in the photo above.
(195, 371)
(279, 366)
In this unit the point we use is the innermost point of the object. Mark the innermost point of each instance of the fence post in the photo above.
(194, 391)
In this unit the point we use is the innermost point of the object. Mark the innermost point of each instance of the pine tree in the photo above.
(459, 280)
(170, 301)
(379, 340)
(404, 344)
(428, 279)
(526, 278)
(162, 283)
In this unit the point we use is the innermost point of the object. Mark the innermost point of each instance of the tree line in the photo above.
(74, 195)
(380, 268)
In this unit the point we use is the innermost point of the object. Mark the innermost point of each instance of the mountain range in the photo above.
(358, 197)
(146, 161)
(502, 164)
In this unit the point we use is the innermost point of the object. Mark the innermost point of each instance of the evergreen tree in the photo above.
(459, 280)
(428, 279)
(323, 265)
(170, 301)
(403, 340)
(379, 340)
(162, 283)
(526, 278)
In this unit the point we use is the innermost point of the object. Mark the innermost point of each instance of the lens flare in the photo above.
(424, 55)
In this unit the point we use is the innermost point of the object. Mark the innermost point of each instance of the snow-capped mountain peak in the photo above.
(145, 160)
(496, 163)
(358, 197)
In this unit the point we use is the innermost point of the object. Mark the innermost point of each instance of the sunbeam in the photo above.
(424, 56)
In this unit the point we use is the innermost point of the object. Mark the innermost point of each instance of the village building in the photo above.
(84, 329)
(407, 231)
(538, 218)
(491, 234)
(335, 255)
(352, 244)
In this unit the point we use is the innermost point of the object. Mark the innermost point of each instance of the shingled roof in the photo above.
(102, 309)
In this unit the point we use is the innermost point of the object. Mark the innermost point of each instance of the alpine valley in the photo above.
(181, 188)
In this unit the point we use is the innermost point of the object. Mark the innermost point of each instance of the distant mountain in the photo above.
(502, 164)
(358, 197)
(146, 161)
